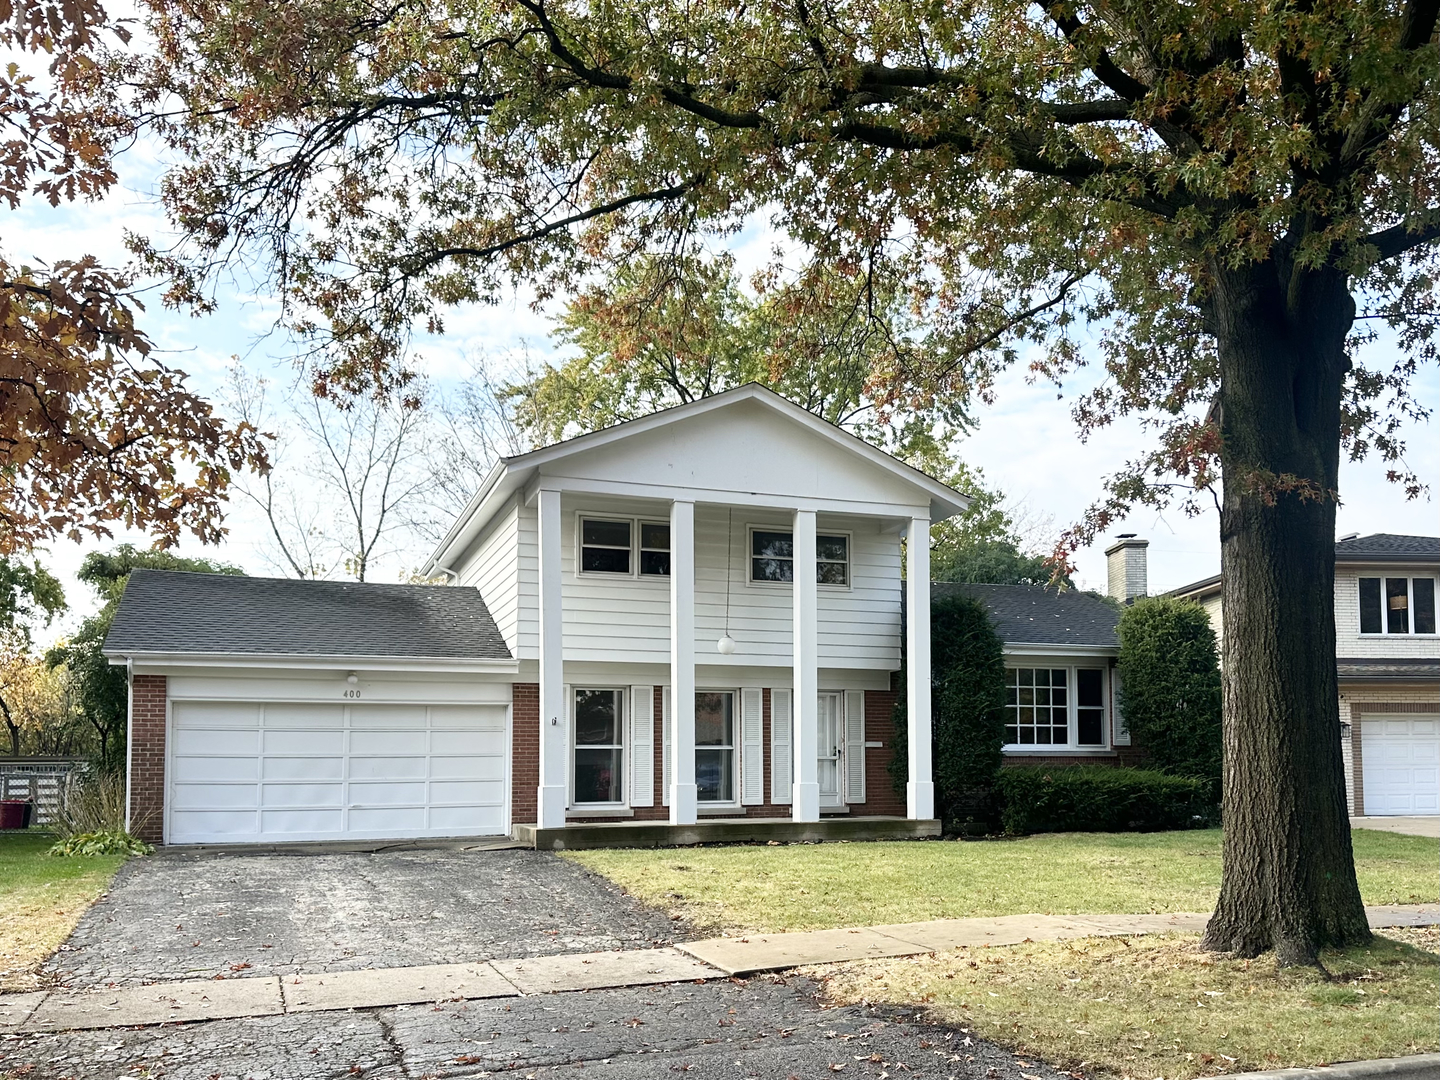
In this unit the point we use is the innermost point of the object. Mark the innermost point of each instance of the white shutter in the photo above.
(854, 746)
(781, 775)
(1120, 733)
(569, 721)
(665, 746)
(642, 746)
(752, 746)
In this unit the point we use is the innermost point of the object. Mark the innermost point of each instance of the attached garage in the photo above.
(277, 771)
(1400, 765)
(268, 710)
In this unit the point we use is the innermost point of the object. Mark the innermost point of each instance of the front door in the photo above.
(830, 748)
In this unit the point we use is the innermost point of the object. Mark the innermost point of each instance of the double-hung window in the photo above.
(772, 557)
(599, 747)
(1397, 605)
(608, 546)
(1055, 706)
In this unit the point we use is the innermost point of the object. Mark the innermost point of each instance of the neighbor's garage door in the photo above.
(1401, 765)
(246, 772)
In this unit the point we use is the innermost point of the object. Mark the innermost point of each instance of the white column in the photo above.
(682, 663)
(554, 730)
(920, 790)
(805, 804)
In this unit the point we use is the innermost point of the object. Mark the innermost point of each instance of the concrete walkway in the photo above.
(232, 998)
(1410, 826)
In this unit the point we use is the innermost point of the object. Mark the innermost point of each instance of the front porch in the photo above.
(654, 834)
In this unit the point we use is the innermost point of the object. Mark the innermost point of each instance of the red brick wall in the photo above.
(880, 794)
(147, 757)
(524, 751)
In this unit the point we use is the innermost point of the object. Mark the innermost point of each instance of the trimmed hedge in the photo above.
(1102, 798)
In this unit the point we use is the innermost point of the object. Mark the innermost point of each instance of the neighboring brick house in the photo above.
(1388, 663)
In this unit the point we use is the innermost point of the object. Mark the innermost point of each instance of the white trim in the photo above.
(1385, 632)
(582, 516)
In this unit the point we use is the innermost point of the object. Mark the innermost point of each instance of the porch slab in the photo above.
(599, 971)
(164, 1003)
(653, 834)
(755, 953)
(376, 987)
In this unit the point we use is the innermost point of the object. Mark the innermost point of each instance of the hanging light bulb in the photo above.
(726, 645)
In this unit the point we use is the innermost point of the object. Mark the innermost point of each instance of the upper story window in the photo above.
(772, 557)
(1041, 710)
(1397, 605)
(604, 546)
(607, 546)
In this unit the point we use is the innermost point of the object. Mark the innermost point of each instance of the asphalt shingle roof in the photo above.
(175, 612)
(1388, 547)
(1036, 615)
(1369, 668)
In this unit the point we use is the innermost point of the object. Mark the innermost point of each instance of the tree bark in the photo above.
(1288, 879)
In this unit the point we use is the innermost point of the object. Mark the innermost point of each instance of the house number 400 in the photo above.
(352, 693)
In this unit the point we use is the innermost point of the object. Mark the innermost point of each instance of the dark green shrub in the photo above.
(967, 666)
(1101, 798)
(1170, 685)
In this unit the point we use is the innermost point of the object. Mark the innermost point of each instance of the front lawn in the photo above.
(1161, 1007)
(41, 900)
(814, 886)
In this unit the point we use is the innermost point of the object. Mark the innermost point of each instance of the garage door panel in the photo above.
(387, 716)
(186, 768)
(311, 772)
(300, 741)
(459, 792)
(473, 767)
(211, 826)
(300, 796)
(388, 742)
(207, 741)
(387, 793)
(388, 820)
(213, 797)
(475, 820)
(302, 768)
(310, 717)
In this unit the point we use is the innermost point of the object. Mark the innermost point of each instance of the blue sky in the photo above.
(1026, 442)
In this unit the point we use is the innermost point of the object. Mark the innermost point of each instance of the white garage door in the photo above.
(1401, 765)
(247, 772)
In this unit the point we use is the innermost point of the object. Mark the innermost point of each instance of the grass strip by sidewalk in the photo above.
(817, 886)
(41, 900)
(1153, 1007)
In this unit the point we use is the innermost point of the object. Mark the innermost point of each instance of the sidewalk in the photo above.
(223, 999)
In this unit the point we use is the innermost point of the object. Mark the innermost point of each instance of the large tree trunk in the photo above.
(1288, 879)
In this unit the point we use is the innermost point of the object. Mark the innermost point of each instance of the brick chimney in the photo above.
(1125, 561)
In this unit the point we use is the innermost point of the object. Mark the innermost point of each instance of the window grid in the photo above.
(1037, 706)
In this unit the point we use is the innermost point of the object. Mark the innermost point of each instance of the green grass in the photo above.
(814, 886)
(41, 900)
(1161, 1007)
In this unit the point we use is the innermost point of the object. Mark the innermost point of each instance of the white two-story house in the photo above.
(693, 618)
(1388, 665)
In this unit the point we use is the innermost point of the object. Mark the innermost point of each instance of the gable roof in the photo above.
(1388, 547)
(1039, 615)
(186, 614)
(511, 473)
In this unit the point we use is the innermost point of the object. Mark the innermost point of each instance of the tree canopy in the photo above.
(93, 431)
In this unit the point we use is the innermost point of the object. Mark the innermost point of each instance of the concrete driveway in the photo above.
(1410, 826)
(189, 916)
